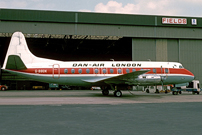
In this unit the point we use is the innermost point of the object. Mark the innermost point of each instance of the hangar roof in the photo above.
(90, 18)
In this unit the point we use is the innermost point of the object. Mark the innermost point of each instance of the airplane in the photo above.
(109, 75)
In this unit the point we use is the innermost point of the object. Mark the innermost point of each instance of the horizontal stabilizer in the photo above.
(15, 62)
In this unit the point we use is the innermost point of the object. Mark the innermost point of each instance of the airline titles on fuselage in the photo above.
(103, 64)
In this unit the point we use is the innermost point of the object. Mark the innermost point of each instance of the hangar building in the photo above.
(78, 36)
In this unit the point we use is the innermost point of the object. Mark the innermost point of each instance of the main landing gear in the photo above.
(105, 92)
(117, 93)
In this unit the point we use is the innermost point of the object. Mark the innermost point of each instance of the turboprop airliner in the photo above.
(109, 75)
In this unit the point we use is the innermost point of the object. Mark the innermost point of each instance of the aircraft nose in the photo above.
(191, 76)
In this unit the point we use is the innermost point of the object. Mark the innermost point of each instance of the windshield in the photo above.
(180, 66)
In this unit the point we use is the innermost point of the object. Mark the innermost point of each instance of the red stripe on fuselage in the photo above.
(62, 71)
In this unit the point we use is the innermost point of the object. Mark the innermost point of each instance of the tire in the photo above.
(197, 93)
(117, 93)
(157, 91)
(175, 92)
(105, 92)
(3, 88)
(147, 90)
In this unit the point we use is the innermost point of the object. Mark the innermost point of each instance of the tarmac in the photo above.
(87, 112)
(55, 97)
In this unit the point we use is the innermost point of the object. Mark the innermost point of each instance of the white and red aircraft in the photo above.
(106, 74)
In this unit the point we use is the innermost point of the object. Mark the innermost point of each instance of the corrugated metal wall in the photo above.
(161, 50)
(173, 50)
(149, 49)
(143, 49)
(178, 32)
(37, 28)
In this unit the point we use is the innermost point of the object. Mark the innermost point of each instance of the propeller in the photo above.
(162, 77)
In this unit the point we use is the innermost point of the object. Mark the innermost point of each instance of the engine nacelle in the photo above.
(148, 78)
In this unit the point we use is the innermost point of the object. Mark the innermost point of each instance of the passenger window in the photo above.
(127, 70)
(73, 71)
(111, 71)
(154, 70)
(104, 71)
(119, 71)
(134, 70)
(88, 71)
(80, 71)
(96, 71)
(180, 66)
(65, 71)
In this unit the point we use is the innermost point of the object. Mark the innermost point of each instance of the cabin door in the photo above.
(164, 73)
(56, 71)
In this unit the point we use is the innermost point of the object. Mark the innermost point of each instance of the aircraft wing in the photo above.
(122, 78)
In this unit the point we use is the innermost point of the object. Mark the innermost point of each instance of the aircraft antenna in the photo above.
(112, 59)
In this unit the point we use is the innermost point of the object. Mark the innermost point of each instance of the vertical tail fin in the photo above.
(18, 47)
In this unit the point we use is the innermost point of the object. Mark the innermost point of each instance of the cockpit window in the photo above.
(180, 66)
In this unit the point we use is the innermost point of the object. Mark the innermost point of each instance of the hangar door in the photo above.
(155, 49)
(143, 49)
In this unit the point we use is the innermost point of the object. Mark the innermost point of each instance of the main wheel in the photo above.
(117, 93)
(147, 90)
(105, 92)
